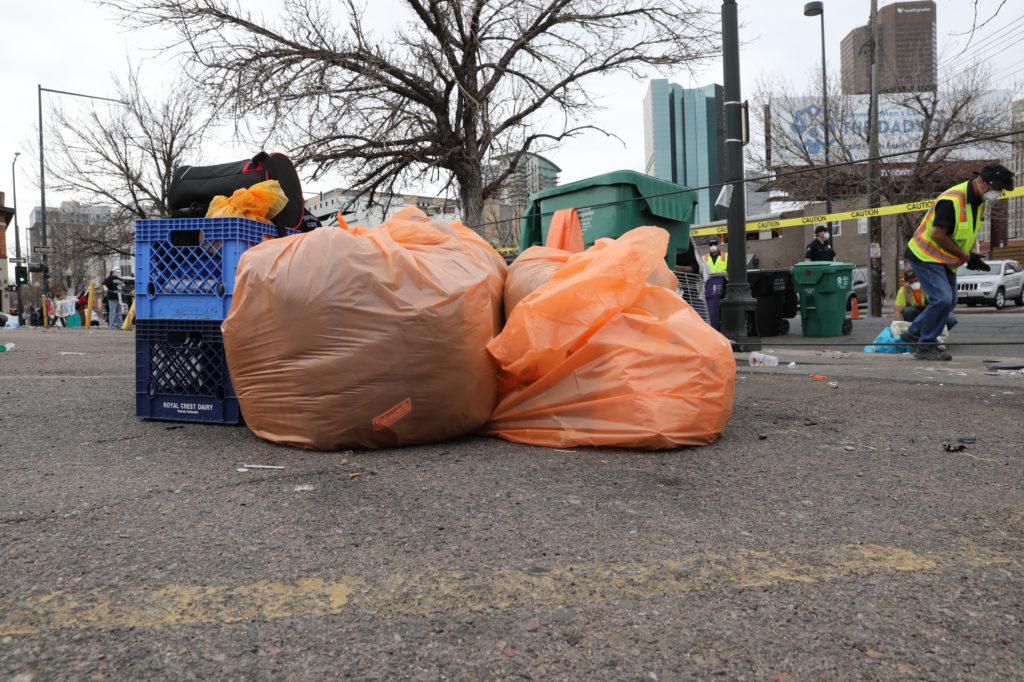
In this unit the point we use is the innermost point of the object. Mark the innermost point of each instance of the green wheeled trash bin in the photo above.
(823, 288)
(612, 204)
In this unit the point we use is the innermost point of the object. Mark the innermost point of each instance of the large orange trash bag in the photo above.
(565, 232)
(366, 337)
(262, 202)
(537, 264)
(600, 356)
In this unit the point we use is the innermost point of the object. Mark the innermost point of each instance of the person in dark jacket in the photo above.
(820, 249)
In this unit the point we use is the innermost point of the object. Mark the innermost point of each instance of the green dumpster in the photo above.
(611, 205)
(823, 288)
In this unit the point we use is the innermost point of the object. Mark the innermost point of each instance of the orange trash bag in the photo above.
(262, 202)
(537, 264)
(370, 338)
(565, 232)
(600, 356)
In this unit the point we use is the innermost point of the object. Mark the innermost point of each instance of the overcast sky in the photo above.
(74, 45)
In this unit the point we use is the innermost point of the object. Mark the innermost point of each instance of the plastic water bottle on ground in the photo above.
(763, 360)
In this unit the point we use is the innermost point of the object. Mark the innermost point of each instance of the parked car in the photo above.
(860, 286)
(1004, 281)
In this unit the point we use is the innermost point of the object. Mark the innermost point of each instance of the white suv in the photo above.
(1004, 281)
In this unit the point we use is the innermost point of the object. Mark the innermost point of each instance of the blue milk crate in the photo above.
(181, 373)
(185, 268)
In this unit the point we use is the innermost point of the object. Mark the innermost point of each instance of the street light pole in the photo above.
(738, 301)
(17, 238)
(817, 9)
(42, 169)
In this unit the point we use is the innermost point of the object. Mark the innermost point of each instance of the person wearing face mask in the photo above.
(942, 243)
(718, 262)
(820, 249)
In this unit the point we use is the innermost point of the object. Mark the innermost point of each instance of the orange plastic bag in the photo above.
(261, 202)
(537, 264)
(565, 232)
(600, 356)
(366, 337)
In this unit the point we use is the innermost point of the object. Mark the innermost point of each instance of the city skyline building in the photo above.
(684, 139)
(907, 51)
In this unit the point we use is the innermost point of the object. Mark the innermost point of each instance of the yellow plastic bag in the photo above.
(358, 337)
(600, 356)
(262, 202)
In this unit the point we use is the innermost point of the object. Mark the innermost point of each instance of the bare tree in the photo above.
(964, 110)
(123, 156)
(459, 82)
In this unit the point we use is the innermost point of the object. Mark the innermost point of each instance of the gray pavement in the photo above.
(827, 535)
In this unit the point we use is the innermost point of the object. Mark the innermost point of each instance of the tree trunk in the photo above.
(471, 199)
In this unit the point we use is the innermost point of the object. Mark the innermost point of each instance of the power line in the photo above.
(957, 74)
(773, 176)
(982, 44)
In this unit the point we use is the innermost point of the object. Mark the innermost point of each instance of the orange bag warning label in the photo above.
(393, 415)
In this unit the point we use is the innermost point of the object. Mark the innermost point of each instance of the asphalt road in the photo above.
(828, 535)
(982, 332)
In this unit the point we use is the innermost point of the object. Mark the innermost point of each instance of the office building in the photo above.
(684, 139)
(1015, 207)
(906, 58)
(6, 218)
(532, 173)
(86, 242)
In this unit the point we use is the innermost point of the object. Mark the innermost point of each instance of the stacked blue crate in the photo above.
(185, 278)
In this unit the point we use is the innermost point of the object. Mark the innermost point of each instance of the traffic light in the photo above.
(20, 275)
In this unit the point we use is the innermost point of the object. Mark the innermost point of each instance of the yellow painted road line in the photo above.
(467, 591)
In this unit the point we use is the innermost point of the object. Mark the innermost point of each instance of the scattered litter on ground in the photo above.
(241, 469)
(68, 352)
(303, 488)
(173, 428)
(993, 365)
(833, 384)
(558, 450)
(819, 377)
(762, 436)
(949, 447)
(343, 462)
(967, 440)
(810, 422)
(262, 466)
(791, 365)
(6, 347)
(763, 360)
(849, 448)
(354, 474)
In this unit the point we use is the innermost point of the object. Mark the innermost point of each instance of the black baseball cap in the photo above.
(909, 274)
(1000, 177)
(713, 241)
(820, 228)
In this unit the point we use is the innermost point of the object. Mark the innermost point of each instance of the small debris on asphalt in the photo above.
(810, 422)
(849, 448)
(262, 466)
(833, 384)
(354, 474)
(68, 352)
(762, 436)
(791, 365)
(173, 428)
(949, 447)
(967, 440)
(303, 488)
(241, 469)
(819, 377)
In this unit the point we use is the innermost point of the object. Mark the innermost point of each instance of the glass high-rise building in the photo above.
(684, 139)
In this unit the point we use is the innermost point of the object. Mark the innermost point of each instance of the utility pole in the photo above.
(42, 193)
(738, 302)
(874, 222)
(17, 238)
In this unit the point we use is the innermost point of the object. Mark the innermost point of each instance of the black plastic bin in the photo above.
(776, 300)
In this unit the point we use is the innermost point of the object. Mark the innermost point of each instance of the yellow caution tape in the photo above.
(780, 223)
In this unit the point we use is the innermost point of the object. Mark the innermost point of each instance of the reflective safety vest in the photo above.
(719, 265)
(913, 298)
(965, 233)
